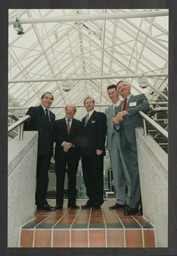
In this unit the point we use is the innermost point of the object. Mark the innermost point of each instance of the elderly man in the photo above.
(67, 155)
(42, 120)
(129, 118)
(119, 168)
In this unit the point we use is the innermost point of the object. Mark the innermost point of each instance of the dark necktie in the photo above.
(124, 105)
(68, 126)
(47, 115)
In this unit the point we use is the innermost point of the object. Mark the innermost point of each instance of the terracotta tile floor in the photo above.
(87, 228)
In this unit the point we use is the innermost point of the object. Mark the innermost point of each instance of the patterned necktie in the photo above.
(68, 126)
(86, 120)
(124, 105)
(114, 111)
(47, 115)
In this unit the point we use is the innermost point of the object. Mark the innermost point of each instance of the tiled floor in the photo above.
(87, 228)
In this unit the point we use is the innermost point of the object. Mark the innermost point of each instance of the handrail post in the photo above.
(144, 125)
(21, 132)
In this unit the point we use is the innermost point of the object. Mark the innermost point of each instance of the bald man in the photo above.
(67, 155)
(128, 118)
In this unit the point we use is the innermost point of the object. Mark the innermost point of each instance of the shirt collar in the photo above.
(66, 118)
(44, 108)
(117, 103)
(128, 97)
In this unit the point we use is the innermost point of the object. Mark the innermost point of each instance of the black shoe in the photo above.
(45, 207)
(87, 205)
(96, 206)
(58, 206)
(117, 206)
(130, 211)
(140, 211)
(75, 206)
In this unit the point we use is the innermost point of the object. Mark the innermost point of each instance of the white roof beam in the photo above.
(94, 17)
(87, 78)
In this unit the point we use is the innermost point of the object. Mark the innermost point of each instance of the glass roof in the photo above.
(75, 53)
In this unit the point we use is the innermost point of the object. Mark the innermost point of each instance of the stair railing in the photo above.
(153, 123)
(20, 123)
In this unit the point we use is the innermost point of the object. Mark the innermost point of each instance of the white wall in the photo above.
(153, 169)
(22, 158)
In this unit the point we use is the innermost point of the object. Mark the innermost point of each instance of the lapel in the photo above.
(51, 117)
(64, 126)
(130, 100)
(111, 111)
(127, 106)
(43, 116)
(91, 118)
(72, 127)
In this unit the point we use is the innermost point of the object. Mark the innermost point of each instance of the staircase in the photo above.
(87, 228)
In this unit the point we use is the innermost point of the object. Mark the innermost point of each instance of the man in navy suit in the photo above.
(93, 151)
(129, 118)
(67, 155)
(42, 120)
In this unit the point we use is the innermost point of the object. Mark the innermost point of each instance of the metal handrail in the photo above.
(20, 123)
(13, 116)
(154, 124)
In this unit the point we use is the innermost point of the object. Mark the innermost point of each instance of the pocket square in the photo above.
(93, 122)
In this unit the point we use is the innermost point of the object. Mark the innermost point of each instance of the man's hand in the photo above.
(115, 120)
(99, 152)
(120, 117)
(67, 146)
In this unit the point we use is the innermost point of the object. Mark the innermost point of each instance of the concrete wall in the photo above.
(22, 158)
(153, 169)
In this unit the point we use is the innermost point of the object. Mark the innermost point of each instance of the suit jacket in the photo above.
(133, 119)
(45, 129)
(61, 135)
(93, 134)
(110, 126)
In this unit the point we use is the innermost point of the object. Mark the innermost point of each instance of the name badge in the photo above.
(93, 122)
(132, 104)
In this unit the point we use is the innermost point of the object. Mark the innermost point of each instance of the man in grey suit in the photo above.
(128, 118)
(119, 169)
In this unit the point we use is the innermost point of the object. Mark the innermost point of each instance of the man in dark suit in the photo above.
(42, 120)
(93, 151)
(67, 155)
(129, 118)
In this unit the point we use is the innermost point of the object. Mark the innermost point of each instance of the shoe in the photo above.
(58, 206)
(140, 211)
(117, 206)
(95, 206)
(45, 207)
(130, 211)
(75, 206)
(87, 205)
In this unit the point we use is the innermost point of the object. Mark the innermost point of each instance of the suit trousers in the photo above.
(131, 160)
(43, 163)
(92, 167)
(120, 173)
(69, 164)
